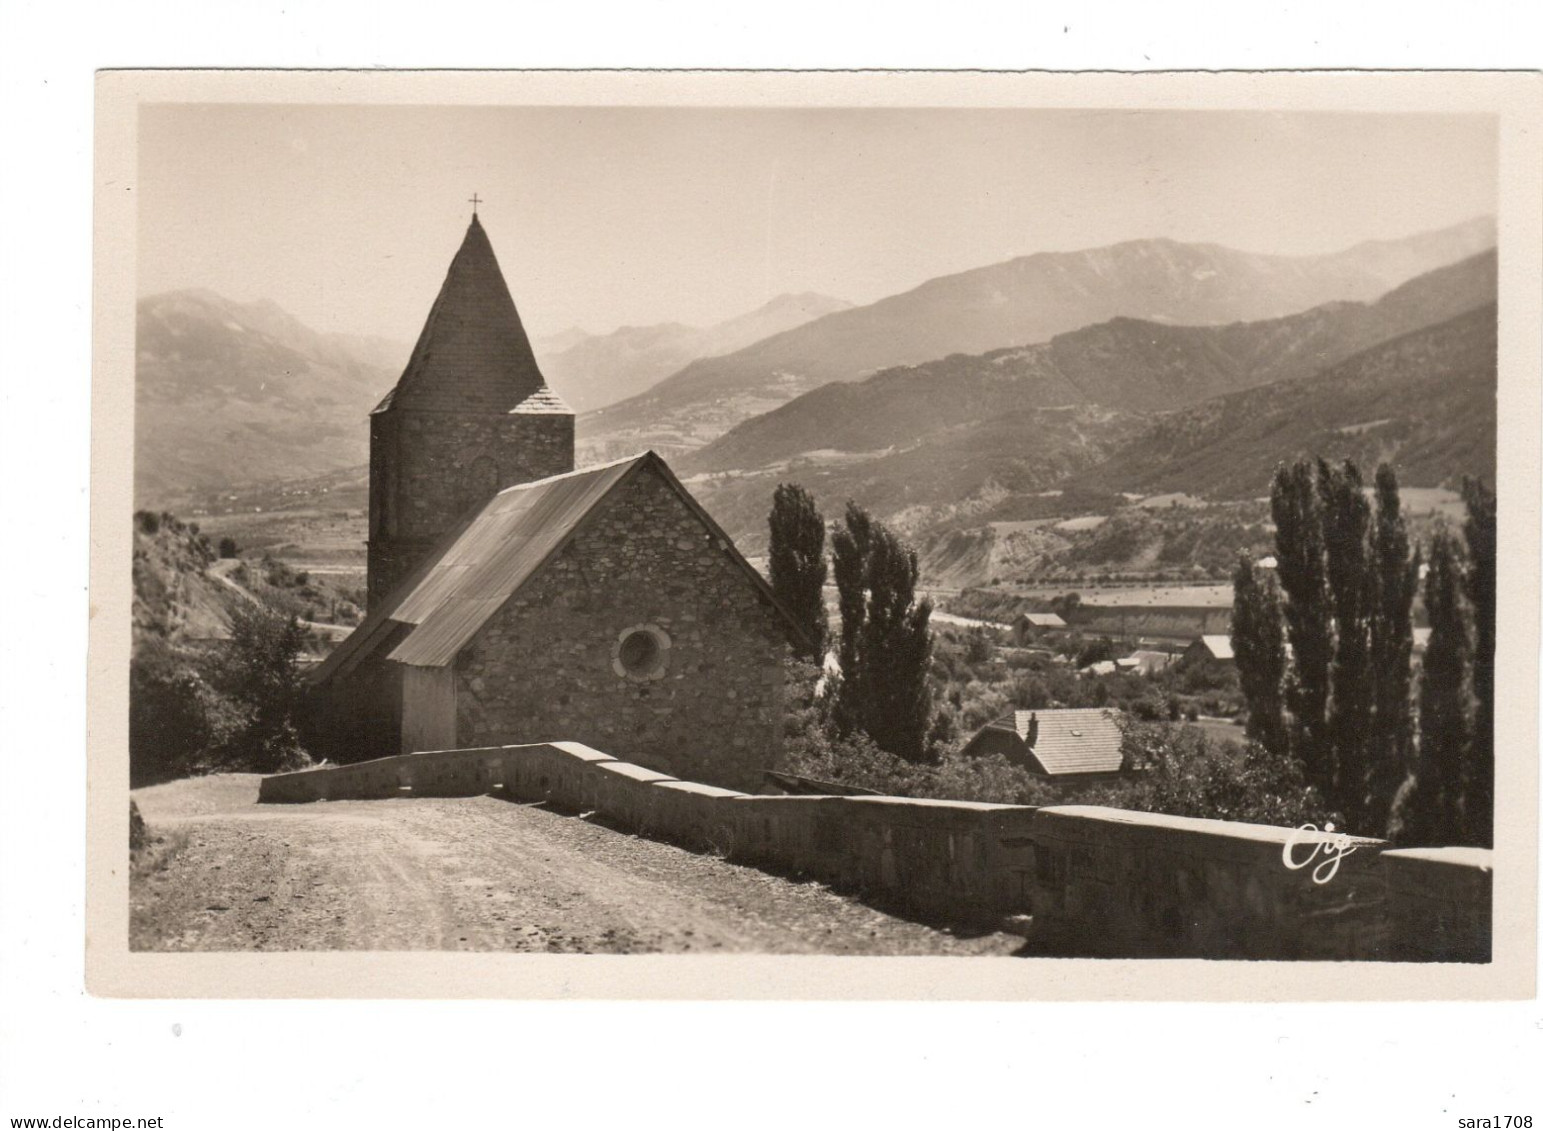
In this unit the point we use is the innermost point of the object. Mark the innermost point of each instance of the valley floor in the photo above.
(475, 874)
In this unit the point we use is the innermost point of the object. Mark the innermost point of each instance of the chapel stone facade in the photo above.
(642, 638)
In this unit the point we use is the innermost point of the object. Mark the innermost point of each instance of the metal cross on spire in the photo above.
(475, 200)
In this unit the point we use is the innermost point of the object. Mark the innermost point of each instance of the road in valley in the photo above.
(476, 874)
(221, 571)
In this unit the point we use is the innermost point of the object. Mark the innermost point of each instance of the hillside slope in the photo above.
(1125, 364)
(1030, 299)
(238, 392)
(1424, 402)
(176, 599)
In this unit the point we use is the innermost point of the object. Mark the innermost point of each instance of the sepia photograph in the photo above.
(988, 529)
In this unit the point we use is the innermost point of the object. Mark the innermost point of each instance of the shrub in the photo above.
(149, 522)
(176, 718)
(228, 547)
(1181, 772)
(260, 672)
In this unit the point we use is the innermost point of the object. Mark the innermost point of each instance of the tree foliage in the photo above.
(1479, 534)
(260, 671)
(1430, 809)
(1300, 565)
(1395, 579)
(1259, 650)
(1347, 558)
(886, 644)
(797, 565)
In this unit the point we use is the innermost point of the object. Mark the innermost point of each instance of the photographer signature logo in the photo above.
(1308, 843)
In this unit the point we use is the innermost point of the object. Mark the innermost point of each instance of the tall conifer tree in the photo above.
(1430, 809)
(886, 645)
(1479, 586)
(1299, 556)
(849, 562)
(1259, 646)
(1395, 577)
(1346, 519)
(798, 565)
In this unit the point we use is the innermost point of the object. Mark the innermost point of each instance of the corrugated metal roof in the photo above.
(483, 562)
(1044, 620)
(1081, 740)
(503, 545)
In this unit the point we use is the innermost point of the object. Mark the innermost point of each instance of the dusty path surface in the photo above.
(471, 874)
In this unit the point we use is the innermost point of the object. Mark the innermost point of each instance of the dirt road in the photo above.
(221, 571)
(471, 874)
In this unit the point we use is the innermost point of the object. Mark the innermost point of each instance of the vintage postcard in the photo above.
(870, 535)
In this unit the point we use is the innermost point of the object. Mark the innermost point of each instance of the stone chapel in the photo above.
(515, 599)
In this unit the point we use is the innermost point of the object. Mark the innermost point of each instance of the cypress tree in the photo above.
(849, 562)
(1395, 577)
(896, 650)
(798, 565)
(886, 646)
(1430, 807)
(1259, 647)
(1299, 556)
(1479, 587)
(1346, 519)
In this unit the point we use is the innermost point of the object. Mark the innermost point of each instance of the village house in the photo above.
(513, 599)
(1209, 649)
(1030, 628)
(1069, 744)
(1145, 661)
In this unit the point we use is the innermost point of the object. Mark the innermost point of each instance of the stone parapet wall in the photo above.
(1439, 903)
(1096, 881)
(1120, 883)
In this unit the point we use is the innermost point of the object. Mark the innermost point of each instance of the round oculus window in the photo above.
(641, 652)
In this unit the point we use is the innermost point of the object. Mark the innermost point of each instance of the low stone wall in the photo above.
(1096, 881)
(1439, 902)
(1120, 883)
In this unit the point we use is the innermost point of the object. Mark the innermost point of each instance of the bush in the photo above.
(176, 717)
(228, 547)
(149, 522)
(1181, 772)
(260, 671)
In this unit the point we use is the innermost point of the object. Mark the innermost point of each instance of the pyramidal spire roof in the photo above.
(473, 354)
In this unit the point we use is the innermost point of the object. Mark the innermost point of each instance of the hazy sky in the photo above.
(348, 216)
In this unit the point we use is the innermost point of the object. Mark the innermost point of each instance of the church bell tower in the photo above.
(470, 416)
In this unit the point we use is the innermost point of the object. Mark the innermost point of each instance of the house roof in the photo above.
(1070, 740)
(1043, 620)
(1218, 645)
(485, 560)
(1147, 660)
(473, 354)
(1100, 667)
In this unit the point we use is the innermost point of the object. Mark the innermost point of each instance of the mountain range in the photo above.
(1141, 382)
(229, 392)
(1017, 302)
(596, 370)
(1132, 406)
(232, 393)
